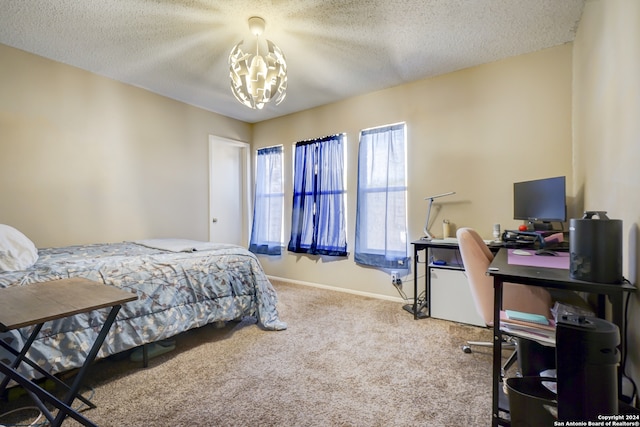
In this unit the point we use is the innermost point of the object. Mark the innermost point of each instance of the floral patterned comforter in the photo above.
(176, 291)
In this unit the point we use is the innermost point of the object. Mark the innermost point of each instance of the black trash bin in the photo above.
(587, 361)
(534, 357)
(531, 403)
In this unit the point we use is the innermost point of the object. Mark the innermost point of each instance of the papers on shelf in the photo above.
(544, 334)
(527, 317)
(551, 326)
(541, 336)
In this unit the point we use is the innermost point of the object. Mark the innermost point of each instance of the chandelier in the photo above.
(256, 79)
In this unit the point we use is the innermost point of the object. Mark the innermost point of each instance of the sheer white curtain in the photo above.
(381, 216)
(266, 231)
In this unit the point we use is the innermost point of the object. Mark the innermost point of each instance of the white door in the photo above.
(229, 203)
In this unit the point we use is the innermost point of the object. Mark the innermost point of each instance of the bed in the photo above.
(181, 284)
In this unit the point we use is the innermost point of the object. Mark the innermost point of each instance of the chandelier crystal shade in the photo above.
(257, 79)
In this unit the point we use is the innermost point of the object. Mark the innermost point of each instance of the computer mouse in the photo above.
(546, 252)
(521, 252)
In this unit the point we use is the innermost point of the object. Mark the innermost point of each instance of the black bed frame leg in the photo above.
(145, 356)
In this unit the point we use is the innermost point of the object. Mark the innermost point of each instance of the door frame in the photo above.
(245, 198)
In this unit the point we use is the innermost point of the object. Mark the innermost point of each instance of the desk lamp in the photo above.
(428, 236)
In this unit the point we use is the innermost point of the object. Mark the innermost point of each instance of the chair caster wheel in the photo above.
(466, 349)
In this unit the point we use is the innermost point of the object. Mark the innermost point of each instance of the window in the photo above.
(266, 231)
(318, 214)
(381, 216)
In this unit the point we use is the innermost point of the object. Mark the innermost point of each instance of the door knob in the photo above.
(214, 220)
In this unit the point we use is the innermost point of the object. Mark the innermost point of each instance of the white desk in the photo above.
(447, 291)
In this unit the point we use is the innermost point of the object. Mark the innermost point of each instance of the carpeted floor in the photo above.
(345, 360)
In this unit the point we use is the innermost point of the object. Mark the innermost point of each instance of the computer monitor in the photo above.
(540, 200)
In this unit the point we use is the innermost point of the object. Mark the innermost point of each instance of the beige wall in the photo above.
(474, 132)
(87, 159)
(606, 110)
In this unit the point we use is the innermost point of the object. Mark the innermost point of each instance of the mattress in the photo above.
(178, 288)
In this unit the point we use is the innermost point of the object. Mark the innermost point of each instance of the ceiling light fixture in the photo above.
(256, 79)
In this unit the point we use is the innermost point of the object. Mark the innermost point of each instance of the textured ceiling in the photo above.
(334, 49)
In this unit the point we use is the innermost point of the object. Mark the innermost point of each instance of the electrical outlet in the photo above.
(394, 277)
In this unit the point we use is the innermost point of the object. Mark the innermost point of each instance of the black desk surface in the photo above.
(421, 244)
(550, 277)
(539, 275)
(435, 243)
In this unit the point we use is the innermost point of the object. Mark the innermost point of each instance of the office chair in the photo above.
(476, 258)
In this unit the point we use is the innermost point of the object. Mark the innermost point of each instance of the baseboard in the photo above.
(336, 288)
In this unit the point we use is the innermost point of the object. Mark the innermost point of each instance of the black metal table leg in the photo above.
(77, 382)
(38, 368)
(497, 351)
(42, 396)
(20, 356)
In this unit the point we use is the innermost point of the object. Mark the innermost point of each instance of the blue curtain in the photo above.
(381, 217)
(266, 231)
(318, 213)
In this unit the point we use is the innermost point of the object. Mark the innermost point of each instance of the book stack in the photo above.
(528, 325)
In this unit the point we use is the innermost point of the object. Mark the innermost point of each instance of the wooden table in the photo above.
(37, 303)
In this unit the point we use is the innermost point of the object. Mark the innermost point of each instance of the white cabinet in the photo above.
(448, 295)
(451, 296)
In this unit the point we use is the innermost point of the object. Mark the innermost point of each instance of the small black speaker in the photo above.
(595, 246)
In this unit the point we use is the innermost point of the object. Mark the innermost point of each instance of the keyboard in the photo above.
(558, 247)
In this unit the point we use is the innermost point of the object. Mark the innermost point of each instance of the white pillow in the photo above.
(17, 252)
